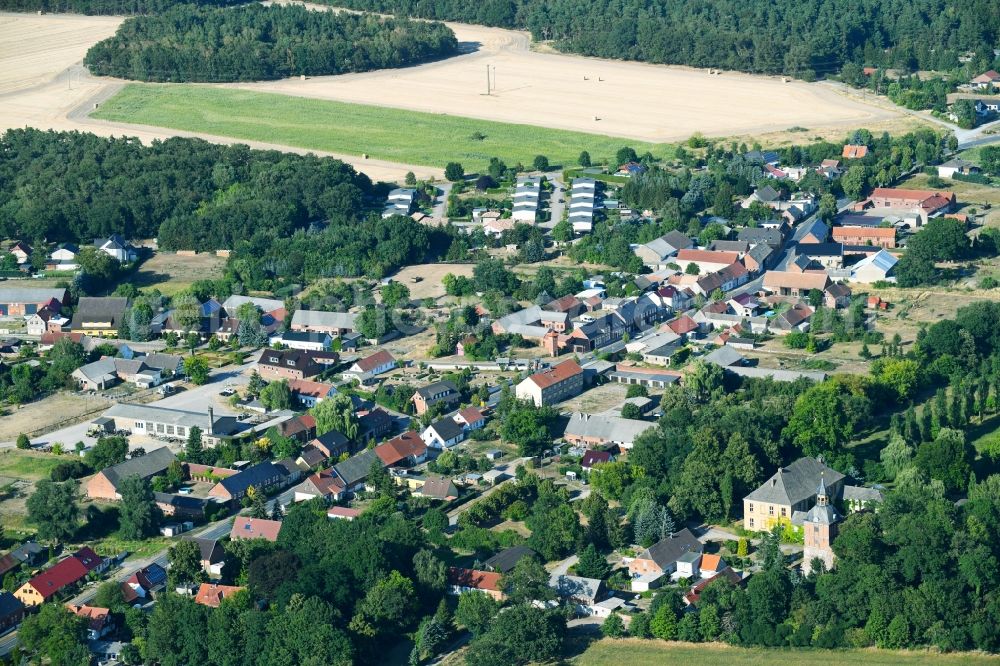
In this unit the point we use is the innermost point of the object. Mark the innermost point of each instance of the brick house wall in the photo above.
(99, 487)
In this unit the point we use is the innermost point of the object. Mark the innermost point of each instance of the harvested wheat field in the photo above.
(653, 103)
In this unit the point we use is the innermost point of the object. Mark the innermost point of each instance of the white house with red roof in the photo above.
(366, 369)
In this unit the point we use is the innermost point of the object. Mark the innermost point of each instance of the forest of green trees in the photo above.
(802, 38)
(253, 42)
(104, 7)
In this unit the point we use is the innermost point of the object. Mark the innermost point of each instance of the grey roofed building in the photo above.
(184, 505)
(815, 227)
(211, 550)
(507, 559)
(861, 494)
(795, 483)
(162, 361)
(776, 374)
(729, 246)
(355, 469)
(668, 550)
(759, 235)
(257, 476)
(767, 194)
(822, 513)
(605, 428)
(159, 415)
(447, 429)
(319, 319)
(36, 295)
(98, 310)
(577, 588)
(760, 253)
(820, 249)
(145, 466)
(99, 373)
(232, 304)
(724, 357)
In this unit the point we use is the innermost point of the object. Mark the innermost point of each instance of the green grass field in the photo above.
(29, 465)
(643, 653)
(356, 129)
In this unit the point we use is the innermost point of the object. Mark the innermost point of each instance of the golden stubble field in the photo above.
(653, 103)
(43, 85)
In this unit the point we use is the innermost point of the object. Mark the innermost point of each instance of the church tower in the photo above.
(820, 529)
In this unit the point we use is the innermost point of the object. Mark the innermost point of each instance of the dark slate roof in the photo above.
(820, 249)
(99, 309)
(447, 428)
(446, 387)
(181, 501)
(257, 476)
(356, 468)
(752, 235)
(668, 550)
(9, 604)
(795, 483)
(508, 558)
(211, 549)
(147, 466)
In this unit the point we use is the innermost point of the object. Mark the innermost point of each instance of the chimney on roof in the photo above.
(211, 420)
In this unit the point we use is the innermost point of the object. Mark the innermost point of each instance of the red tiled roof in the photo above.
(211, 595)
(683, 324)
(97, 617)
(474, 578)
(342, 512)
(401, 447)
(840, 233)
(852, 152)
(309, 388)
(556, 374)
(377, 359)
(64, 573)
(255, 528)
(471, 414)
(713, 256)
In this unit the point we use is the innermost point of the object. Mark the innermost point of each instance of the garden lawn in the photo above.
(355, 129)
(642, 653)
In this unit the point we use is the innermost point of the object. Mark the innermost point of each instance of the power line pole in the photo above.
(487, 79)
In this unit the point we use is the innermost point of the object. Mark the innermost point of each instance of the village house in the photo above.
(63, 258)
(662, 557)
(603, 430)
(790, 489)
(593, 457)
(957, 166)
(659, 252)
(884, 237)
(104, 485)
(707, 261)
(144, 584)
(255, 528)
(795, 285)
(342, 513)
(107, 372)
(854, 152)
(182, 507)
(399, 202)
(437, 487)
(986, 80)
(443, 394)
(553, 385)
(821, 255)
(318, 321)
(44, 321)
(17, 302)
(99, 316)
(310, 393)
(288, 364)
(262, 477)
(640, 376)
(725, 279)
(117, 247)
(403, 450)
(100, 622)
(355, 469)
(60, 576)
(332, 444)
(443, 434)
(212, 594)
(471, 418)
(29, 553)
(472, 580)
(374, 424)
(366, 369)
(325, 485)
(212, 554)
(926, 203)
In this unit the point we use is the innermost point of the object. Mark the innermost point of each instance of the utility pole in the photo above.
(487, 79)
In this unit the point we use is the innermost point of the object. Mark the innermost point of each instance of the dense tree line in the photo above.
(810, 38)
(104, 7)
(253, 42)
